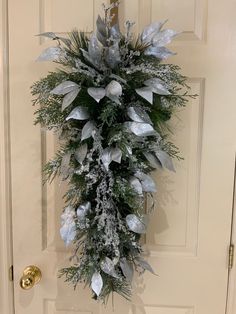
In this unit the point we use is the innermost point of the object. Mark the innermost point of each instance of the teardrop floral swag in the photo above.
(109, 104)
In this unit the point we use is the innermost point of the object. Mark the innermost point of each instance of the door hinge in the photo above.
(11, 274)
(231, 256)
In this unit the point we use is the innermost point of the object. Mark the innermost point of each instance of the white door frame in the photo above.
(6, 286)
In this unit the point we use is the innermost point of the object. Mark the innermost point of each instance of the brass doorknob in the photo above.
(31, 276)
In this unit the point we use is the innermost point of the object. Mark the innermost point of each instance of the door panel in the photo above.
(189, 232)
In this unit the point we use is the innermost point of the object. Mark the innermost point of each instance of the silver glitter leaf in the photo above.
(97, 93)
(68, 227)
(157, 86)
(140, 129)
(165, 160)
(115, 32)
(65, 88)
(148, 184)
(83, 210)
(136, 185)
(164, 37)
(97, 283)
(107, 266)
(136, 224)
(152, 160)
(159, 52)
(146, 93)
(65, 162)
(79, 113)
(101, 31)
(150, 30)
(138, 115)
(69, 98)
(113, 55)
(50, 54)
(145, 265)
(127, 269)
(88, 130)
(81, 153)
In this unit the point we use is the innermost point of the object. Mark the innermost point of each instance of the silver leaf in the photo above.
(65, 88)
(83, 210)
(150, 30)
(69, 98)
(113, 55)
(116, 154)
(165, 160)
(127, 269)
(79, 113)
(164, 37)
(68, 227)
(140, 129)
(159, 52)
(108, 267)
(88, 130)
(101, 26)
(94, 50)
(97, 93)
(146, 93)
(81, 153)
(97, 283)
(145, 265)
(157, 86)
(136, 224)
(138, 115)
(136, 185)
(148, 184)
(50, 54)
(152, 160)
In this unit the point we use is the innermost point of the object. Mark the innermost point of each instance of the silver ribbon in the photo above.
(97, 93)
(81, 153)
(68, 227)
(138, 115)
(97, 283)
(50, 54)
(136, 224)
(78, 113)
(107, 266)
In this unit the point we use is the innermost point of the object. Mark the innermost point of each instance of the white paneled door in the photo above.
(189, 232)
